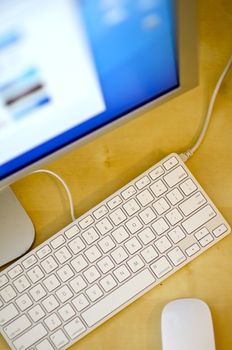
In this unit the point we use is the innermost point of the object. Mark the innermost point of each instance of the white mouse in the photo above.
(186, 324)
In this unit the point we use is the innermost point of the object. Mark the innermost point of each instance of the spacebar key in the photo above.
(118, 297)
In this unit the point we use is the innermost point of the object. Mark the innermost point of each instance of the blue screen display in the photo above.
(133, 47)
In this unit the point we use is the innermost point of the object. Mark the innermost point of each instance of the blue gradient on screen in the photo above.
(135, 65)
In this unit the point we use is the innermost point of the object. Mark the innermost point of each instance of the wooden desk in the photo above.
(101, 167)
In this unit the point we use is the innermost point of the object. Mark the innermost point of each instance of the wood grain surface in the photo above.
(99, 168)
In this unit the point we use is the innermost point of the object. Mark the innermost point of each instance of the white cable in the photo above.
(65, 186)
(187, 154)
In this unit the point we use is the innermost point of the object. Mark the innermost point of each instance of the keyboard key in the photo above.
(193, 249)
(147, 215)
(90, 236)
(119, 255)
(122, 273)
(92, 274)
(161, 267)
(59, 339)
(104, 226)
(36, 313)
(64, 294)
(193, 203)
(44, 345)
(206, 240)
(72, 231)
(22, 284)
(108, 283)
(74, 328)
(176, 256)
(76, 245)
(65, 273)
(93, 253)
(79, 263)
(199, 219)
(35, 274)
(78, 284)
(160, 226)
(114, 202)
(105, 264)
(120, 234)
(118, 217)
(161, 206)
(158, 188)
(41, 253)
(52, 322)
(149, 254)
(175, 176)
(145, 197)
(23, 302)
(18, 326)
(177, 234)
(29, 338)
(7, 314)
(15, 271)
(143, 182)
(49, 264)
(37, 292)
(51, 282)
(100, 212)
(175, 196)
(146, 235)
(170, 163)
(130, 191)
(131, 207)
(58, 241)
(156, 173)
(135, 263)
(134, 225)
(163, 244)
(7, 293)
(62, 255)
(50, 303)
(174, 216)
(106, 244)
(94, 292)
(133, 245)
(117, 298)
(66, 312)
(3, 280)
(201, 233)
(80, 302)
(220, 230)
(31, 260)
(86, 222)
(188, 187)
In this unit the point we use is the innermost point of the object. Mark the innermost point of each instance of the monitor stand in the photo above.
(16, 229)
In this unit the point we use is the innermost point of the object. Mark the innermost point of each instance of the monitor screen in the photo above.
(69, 67)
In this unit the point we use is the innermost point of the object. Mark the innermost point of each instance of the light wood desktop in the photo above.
(96, 170)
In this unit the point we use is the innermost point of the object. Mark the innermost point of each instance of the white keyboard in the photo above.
(106, 259)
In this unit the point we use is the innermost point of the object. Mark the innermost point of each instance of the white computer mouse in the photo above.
(186, 324)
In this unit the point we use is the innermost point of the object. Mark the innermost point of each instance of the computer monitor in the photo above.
(72, 68)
